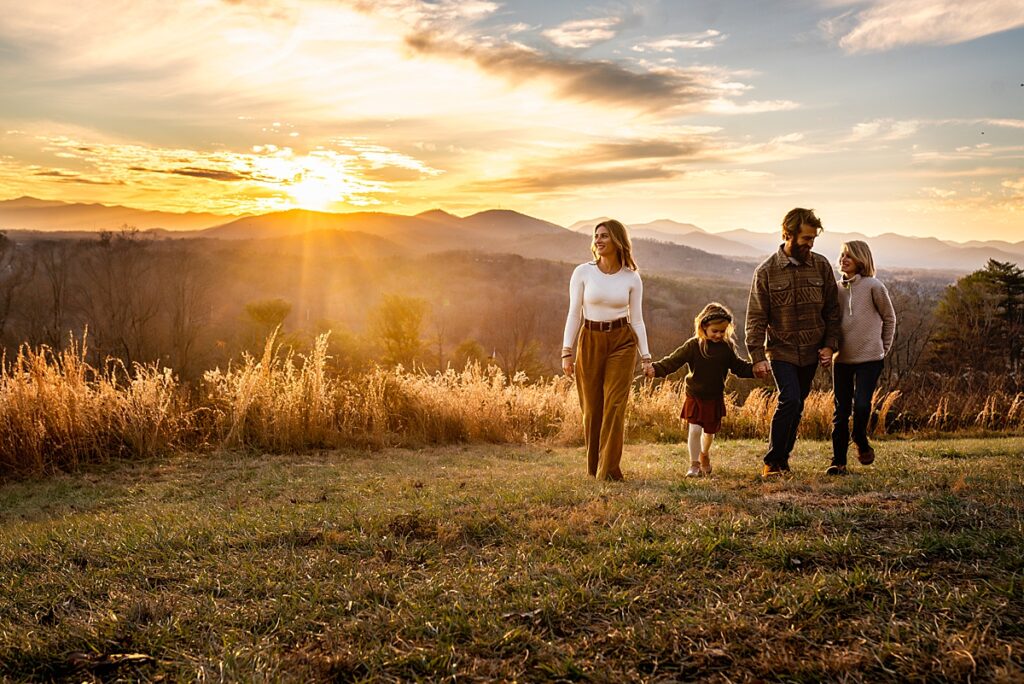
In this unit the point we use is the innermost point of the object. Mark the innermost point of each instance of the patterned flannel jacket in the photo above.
(793, 311)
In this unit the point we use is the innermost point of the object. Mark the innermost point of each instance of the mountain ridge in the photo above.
(488, 229)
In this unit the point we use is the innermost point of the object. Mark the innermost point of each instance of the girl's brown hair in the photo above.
(620, 238)
(713, 313)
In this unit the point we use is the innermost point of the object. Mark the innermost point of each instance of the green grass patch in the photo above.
(508, 563)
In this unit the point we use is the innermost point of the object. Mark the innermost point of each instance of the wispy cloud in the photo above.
(639, 149)
(557, 179)
(209, 174)
(1001, 153)
(690, 41)
(779, 148)
(730, 106)
(586, 80)
(264, 178)
(583, 33)
(938, 193)
(882, 130)
(425, 13)
(449, 30)
(888, 24)
(653, 162)
(558, 168)
(998, 203)
(1005, 123)
(71, 177)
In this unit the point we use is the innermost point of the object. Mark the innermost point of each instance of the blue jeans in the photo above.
(794, 383)
(852, 384)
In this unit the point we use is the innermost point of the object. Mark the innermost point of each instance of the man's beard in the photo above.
(801, 253)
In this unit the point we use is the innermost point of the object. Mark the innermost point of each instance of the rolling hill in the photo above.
(673, 246)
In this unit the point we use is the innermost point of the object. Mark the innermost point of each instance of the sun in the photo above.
(324, 181)
(315, 193)
(321, 180)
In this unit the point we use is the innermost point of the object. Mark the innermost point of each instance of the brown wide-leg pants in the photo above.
(604, 370)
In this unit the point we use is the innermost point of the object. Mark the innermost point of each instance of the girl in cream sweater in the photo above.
(868, 329)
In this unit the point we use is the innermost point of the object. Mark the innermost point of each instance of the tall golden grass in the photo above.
(57, 411)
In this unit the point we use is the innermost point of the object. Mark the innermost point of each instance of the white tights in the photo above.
(698, 441)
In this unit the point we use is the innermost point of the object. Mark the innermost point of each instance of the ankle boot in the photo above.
(705, 463)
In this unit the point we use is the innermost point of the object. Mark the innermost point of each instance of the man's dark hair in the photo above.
(799, 217)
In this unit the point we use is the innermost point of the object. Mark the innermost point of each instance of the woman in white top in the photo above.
(867, 331)
(606, 320)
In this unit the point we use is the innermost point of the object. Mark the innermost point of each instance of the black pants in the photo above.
(794, 383)
(853, 384)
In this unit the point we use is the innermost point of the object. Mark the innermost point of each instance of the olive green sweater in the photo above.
(706, 378)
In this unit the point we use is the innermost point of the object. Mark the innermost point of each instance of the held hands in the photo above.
(762, 369)
(569, 368)
(825, 357)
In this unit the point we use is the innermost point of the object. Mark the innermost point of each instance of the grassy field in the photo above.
(507, 562)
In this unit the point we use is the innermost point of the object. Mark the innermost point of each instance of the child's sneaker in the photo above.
(694, 470)
(705, 463)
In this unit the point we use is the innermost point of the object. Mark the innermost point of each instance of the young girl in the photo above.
(711, 354)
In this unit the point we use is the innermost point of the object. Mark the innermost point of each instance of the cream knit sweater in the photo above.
(868, 320)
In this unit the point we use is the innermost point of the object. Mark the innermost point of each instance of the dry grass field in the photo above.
(58, 413)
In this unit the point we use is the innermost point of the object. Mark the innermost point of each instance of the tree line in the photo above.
(193, 304)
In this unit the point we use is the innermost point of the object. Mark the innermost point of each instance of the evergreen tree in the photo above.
(980, 321)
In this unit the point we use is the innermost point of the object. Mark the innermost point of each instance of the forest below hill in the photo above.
(194, 304)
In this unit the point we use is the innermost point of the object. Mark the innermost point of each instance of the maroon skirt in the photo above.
(707, 413)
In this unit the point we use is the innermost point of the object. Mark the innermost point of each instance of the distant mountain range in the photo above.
(665, 230)
(495, 230)
(889, 249)
(29, 213)
(664, 245)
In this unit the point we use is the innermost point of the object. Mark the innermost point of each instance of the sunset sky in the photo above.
(885, 115)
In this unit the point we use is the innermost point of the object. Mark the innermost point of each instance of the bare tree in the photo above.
(120, 296)
(915, 323)
(185, 288)
(513, 332)
(51, 324)
(440, 324)
(16, 270)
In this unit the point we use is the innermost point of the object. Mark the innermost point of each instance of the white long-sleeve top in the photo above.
(869, 320)
(599, 296)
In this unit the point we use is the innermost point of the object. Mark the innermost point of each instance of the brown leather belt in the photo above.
(605, 326)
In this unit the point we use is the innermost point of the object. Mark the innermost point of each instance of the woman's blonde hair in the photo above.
(713, 313)
(620, 238)
(861, 253)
